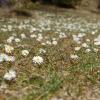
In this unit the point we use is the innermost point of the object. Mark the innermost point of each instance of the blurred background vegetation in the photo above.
(24, 5)
(62, 3)
(67, 3)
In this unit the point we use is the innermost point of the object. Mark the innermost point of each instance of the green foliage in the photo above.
(13, 2)
(67, 2)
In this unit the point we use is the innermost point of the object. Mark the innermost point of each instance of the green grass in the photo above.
(59, 73)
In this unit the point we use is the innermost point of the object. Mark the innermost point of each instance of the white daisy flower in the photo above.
(25, 52)
(77, 48)
(93, 32)
(54, 39)
(23, 36)
(74, 56)
(80, 35)
(43, 43)
(84, 45)
(33, 36)
(48, 42)
(42, 51)
(76, 39)
(3, 57)
(97, 43)
(62, 35)
(8, 49)
(54, 42)
(17, 40)
(37, 59)
(10, 39)
(39, 38)
(88, 40)
(88, 50)
(10, 75)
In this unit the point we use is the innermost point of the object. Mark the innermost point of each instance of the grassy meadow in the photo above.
(54, 56)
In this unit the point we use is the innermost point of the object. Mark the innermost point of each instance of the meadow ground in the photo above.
(53, 56)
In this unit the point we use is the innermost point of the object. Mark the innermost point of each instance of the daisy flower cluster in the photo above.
(5, 57)
(37, 37)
